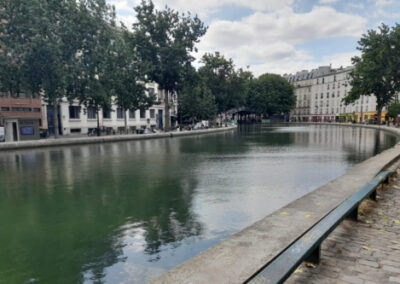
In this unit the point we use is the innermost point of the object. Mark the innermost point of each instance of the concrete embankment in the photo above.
(105, 139)
(239, 257)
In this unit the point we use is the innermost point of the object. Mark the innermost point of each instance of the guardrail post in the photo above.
(373, 195)
(353, 215)
(315, 256)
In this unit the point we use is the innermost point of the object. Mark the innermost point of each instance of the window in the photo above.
(316, 96)
(159, 95)
(74, 112)
(152, 113)
(36, 109)
(75, 130)
(27, 130)
(322, 95)
(106, 114)
(151, 91)
(91, 113)
(21, 109)
(333, 94)
(142, 113)
(120, 113)
(132, 113)
(5, 109)
(338, 85)
(327, 95)
(328, 86)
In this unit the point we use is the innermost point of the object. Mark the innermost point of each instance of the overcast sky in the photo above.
(280, 36)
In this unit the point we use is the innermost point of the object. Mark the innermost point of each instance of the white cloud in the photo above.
(268, 39)
(271, 37)
(292, 65)
(205, 7)
(327, 1)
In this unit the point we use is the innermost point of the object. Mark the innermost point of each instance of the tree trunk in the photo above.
(125, 121)
(379, 112)
(167, 119)
(55, 119)
(98, 122)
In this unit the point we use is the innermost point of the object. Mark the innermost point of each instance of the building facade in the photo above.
(20, 117)
(320, 93)
(75, 119)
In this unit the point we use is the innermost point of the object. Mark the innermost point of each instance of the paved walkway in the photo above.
(367, 251)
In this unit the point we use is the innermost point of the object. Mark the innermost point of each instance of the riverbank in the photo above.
(105, 139)
(392, 129)
(239, 257)
(367, 251)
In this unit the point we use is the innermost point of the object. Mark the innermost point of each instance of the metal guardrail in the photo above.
(308, 246)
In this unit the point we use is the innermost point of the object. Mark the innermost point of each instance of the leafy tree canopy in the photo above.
(376, 71)
(270, 94)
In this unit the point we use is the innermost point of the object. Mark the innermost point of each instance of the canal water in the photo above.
(127, 212)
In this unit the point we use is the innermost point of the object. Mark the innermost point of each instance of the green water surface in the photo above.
(127, 212)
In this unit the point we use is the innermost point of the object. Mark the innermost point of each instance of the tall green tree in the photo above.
(165, 40)
(394, 110)
(93, 73)
(17, 28)
(376, 71)
(51, 61)
(127, 78)
(228, 86)
(196, 101)
(270, 94)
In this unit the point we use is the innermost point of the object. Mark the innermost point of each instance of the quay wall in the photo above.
(104, 139)
(240, 256)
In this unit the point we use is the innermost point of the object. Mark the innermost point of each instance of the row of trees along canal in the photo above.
(75, 49)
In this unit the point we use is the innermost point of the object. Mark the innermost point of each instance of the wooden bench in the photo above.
(308, 246)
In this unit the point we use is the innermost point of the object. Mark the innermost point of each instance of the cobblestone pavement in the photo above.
(367, 251)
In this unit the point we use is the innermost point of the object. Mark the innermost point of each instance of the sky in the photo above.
(280, 36)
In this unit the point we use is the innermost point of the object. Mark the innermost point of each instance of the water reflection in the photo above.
(130, 211)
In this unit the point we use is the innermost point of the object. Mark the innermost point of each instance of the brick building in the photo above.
(21, 117)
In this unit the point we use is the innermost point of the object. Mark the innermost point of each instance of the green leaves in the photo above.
(270, 94)
(376, 70)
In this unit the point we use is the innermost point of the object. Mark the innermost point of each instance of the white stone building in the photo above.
(77, 119)
(319, 94)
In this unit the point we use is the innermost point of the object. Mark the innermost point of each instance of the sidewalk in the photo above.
(64, 141)
(367, 251)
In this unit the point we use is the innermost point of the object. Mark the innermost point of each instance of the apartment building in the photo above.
(319, 97)
(75, 119)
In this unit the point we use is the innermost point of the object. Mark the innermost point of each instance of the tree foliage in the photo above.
(165, 40)
(196, 101)
(270, 94)
(376, 71)
(394, 110)
(228, 86)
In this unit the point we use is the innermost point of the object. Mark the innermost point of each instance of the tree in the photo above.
(127, 80)
(196, 101)
(270, 94)
(17, 22)
(227, 85)
(93, 72)
(394, 110)
(165, 40)
(376, 71)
